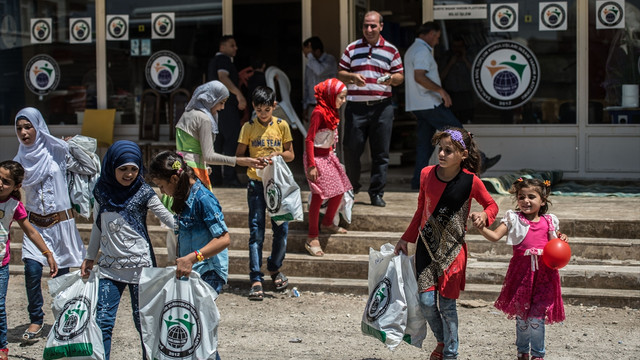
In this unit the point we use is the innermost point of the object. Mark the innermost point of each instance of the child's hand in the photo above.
(401, 246)
(85, 267)
(563, 237)
(53, 267)
(183, 266)
(479, 219)
(312, 174)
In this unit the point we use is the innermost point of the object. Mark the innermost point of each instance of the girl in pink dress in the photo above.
(531, 291)
(326, 176)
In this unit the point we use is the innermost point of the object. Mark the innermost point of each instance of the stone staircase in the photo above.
(604, 269)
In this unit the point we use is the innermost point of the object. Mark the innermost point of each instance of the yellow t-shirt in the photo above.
(264, 140)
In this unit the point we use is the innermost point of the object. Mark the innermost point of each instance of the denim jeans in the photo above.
(257, 208)
(429, 121)
(530, 331)
(212, 278)
(4, 284)
(442, 315)
(109, 294)
(32, 279)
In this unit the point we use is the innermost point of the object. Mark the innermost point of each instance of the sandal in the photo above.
(522, 356)
(4, 354)
(280, 281)
(334, 229)
(313, 250)
(31, 336)
(437, 355)
(256, 293)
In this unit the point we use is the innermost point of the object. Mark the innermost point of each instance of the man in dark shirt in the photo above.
(221, 68)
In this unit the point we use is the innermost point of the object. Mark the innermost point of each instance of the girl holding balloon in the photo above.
(531, 291)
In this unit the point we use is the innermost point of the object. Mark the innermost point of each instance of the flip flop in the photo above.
(31, 336)
(256, 293)
(314, 250)
(281, 279)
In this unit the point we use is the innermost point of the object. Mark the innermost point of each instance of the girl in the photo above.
(44, 158)
(439, 227)
(326, 176)
(11, 175)
(203, 236)
(531, 291)
(120, 231)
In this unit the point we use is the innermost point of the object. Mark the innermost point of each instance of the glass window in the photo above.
(614, 63)
(75, 62)
(465, 40)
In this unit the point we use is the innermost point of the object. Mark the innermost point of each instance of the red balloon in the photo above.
(556, 254)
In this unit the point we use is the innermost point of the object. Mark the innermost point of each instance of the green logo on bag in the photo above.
(274, 196)
(379, 300)
(181, 334)
(73, 319)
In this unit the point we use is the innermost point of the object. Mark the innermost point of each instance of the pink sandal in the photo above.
(437, 355)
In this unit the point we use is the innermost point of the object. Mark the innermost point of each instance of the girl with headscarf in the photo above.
(197, 128)
(120, 232)
(44, 158)
(326, 176)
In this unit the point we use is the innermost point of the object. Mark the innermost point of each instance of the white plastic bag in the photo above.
(75, 333)
(346, 205)
(281, 193)
(83, 171)
(179, 318)
(393, 311)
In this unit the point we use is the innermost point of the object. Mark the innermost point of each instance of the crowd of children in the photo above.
(531, 294)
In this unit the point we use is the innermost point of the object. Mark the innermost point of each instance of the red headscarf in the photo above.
(326, 95)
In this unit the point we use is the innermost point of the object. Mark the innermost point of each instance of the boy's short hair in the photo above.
(225, 38)
(263, 95)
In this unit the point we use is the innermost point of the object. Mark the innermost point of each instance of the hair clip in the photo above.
(520, 180)
(547, 183)
(470, 134)
(176, 165)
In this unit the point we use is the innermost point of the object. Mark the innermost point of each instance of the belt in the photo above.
(45, 221)
(375, 102)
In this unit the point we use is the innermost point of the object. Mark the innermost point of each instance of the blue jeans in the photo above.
(530, 331)
(374, 122)
(442, 315)
(4, 284)
(32, 279)
(212, 278)
(429, 121)
(109, 294)
(257, 208)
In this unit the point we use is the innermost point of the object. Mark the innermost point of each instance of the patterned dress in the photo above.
(332, 179)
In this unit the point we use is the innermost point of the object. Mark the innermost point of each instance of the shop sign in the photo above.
(80, 30)
(8, 32)
(503, 17)
(118, 27)
(41, 31)
(42, 74)
(505, 74)
(610, 14)
(553, 16)
(164, 71)
(163, 25)
(457, 12)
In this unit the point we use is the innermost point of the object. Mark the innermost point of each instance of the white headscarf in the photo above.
(207, 96)
(38, 158)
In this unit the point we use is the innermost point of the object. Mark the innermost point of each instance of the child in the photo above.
(439, 227)
(531, 291)
(203, 236)
(44, 159)
(11, 175)
(120, 232)
(265, 136)
(326, 176)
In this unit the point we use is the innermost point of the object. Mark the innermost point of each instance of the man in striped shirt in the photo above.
(369, 66)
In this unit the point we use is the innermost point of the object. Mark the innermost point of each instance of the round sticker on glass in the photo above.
(164, 71)
(42, 74)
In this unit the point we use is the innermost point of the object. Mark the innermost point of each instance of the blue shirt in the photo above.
(201, 221)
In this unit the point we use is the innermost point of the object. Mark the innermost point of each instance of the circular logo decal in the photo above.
(162, 25)
(181, 330)
(379, 300)
(503, 17)
(42, 74)
(164, 71)
(40, 30)
(80, 30)
(610, 13)
(117, 27)
(73, 319)
(553, 16)
(505, 74)
(274, 196)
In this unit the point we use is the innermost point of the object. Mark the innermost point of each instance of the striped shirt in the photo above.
(371, 62)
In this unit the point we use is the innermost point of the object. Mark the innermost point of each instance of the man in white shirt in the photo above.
(320, 66)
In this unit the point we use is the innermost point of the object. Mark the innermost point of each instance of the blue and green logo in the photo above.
(181, 331)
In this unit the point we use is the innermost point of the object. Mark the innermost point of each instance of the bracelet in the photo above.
(199, 255)
(46, 252)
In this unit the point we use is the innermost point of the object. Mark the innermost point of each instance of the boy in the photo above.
(265, 136)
